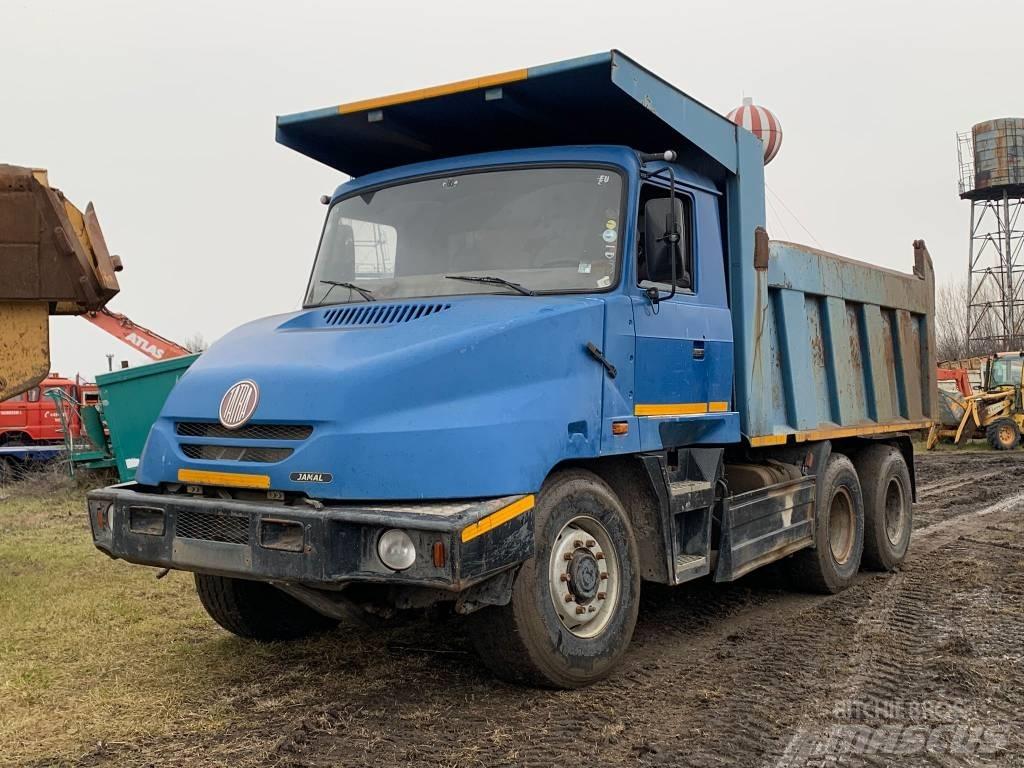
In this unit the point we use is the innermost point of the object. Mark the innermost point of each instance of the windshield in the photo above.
(1005, 372)
(545, 229)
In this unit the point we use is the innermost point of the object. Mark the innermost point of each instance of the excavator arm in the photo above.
(149, 343)
(53, 261)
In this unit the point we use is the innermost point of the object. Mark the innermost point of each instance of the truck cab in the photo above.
(546, 352)
(32, 418)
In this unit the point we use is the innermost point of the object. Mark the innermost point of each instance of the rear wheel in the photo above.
(256, 610)
(832, 564)
(1003, 434)
(888, 516)
(574, 604)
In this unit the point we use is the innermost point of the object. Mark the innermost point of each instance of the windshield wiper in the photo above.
(493, 281)
(365, 293)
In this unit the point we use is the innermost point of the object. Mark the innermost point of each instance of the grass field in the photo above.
(93, 650)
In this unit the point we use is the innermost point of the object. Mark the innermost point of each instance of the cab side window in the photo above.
(654, 259)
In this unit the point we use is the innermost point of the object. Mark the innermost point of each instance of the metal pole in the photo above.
(970, 285)
(1008, 258)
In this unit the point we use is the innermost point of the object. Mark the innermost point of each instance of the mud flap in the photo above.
(764, 525)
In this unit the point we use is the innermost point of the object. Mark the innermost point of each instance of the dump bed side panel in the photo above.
(841, 347)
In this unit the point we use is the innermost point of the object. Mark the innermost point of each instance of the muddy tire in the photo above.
(258, 611)
(832, 564)
(586, 552)
(888, 516)
(1003, 434)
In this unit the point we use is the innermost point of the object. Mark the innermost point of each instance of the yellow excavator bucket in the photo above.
(53, 261)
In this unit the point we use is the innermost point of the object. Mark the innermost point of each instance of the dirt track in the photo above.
(923, 667)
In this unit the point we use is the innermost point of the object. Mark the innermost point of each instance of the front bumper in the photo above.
(329, 546)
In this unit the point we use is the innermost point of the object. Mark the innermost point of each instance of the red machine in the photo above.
(152, 345)
(31, 418)
(958, 378)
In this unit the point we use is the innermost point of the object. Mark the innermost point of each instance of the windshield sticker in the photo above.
(610, 236)
(604, 282)
(604, 178)
(610, 224)
(584, 267)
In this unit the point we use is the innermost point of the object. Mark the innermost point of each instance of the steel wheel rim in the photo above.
(895, 510)
(1005, 435)
(584, 577)
(841, 525)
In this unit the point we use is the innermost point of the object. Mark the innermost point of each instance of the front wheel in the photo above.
(574, 604)
(258, 611)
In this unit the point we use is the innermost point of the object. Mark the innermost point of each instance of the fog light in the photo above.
(396, 550)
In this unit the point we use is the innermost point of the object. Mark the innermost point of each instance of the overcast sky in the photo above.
(162, 113)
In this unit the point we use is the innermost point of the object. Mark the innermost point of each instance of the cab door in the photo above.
(683, 383)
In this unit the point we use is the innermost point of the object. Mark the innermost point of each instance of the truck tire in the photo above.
(257, 611)
(1003, 434)
(832, 564)
(574, 603)
(888, 515)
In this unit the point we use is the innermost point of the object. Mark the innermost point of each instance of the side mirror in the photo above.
(664, 239)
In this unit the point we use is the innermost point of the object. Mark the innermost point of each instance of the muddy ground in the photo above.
(921, 667)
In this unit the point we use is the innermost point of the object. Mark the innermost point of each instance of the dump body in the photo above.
(846, 348)
(53, 261)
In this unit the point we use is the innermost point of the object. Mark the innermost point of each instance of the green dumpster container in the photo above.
(131, 400)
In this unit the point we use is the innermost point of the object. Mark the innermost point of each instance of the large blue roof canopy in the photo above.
(606, 98)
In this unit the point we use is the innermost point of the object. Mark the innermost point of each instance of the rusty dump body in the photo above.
(840, 347)
(53, 261)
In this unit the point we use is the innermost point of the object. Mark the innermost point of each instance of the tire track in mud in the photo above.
(917, 693)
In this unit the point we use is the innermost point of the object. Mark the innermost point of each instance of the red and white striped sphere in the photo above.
(761, 122)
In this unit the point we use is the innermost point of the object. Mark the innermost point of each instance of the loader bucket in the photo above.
(53, 261)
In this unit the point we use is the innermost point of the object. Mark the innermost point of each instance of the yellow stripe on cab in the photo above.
(493, 520)
(679, 409)
(225, 479)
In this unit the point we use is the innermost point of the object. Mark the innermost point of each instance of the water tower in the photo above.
(991, 158)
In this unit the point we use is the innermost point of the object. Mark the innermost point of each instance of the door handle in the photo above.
(698, 349)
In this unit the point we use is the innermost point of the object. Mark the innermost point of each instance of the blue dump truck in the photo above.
(547, 352)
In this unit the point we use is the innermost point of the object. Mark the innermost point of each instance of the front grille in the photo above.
(210, 526)
(380, 314)
(248, 432)
(235, 453)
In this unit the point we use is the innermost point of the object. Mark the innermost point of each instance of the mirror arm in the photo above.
(673, 237)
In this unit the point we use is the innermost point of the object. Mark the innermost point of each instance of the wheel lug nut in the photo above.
(591, 543)
(578, 543)
(568, 598)
(567, 556)
(599, 556)
(604, 577)
(580, 609)
(592, 609)
(602, 595)
(564, 577)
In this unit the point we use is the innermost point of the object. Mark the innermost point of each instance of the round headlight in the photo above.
(396, 550)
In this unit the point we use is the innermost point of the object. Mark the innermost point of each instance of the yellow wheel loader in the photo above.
(995, 414)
